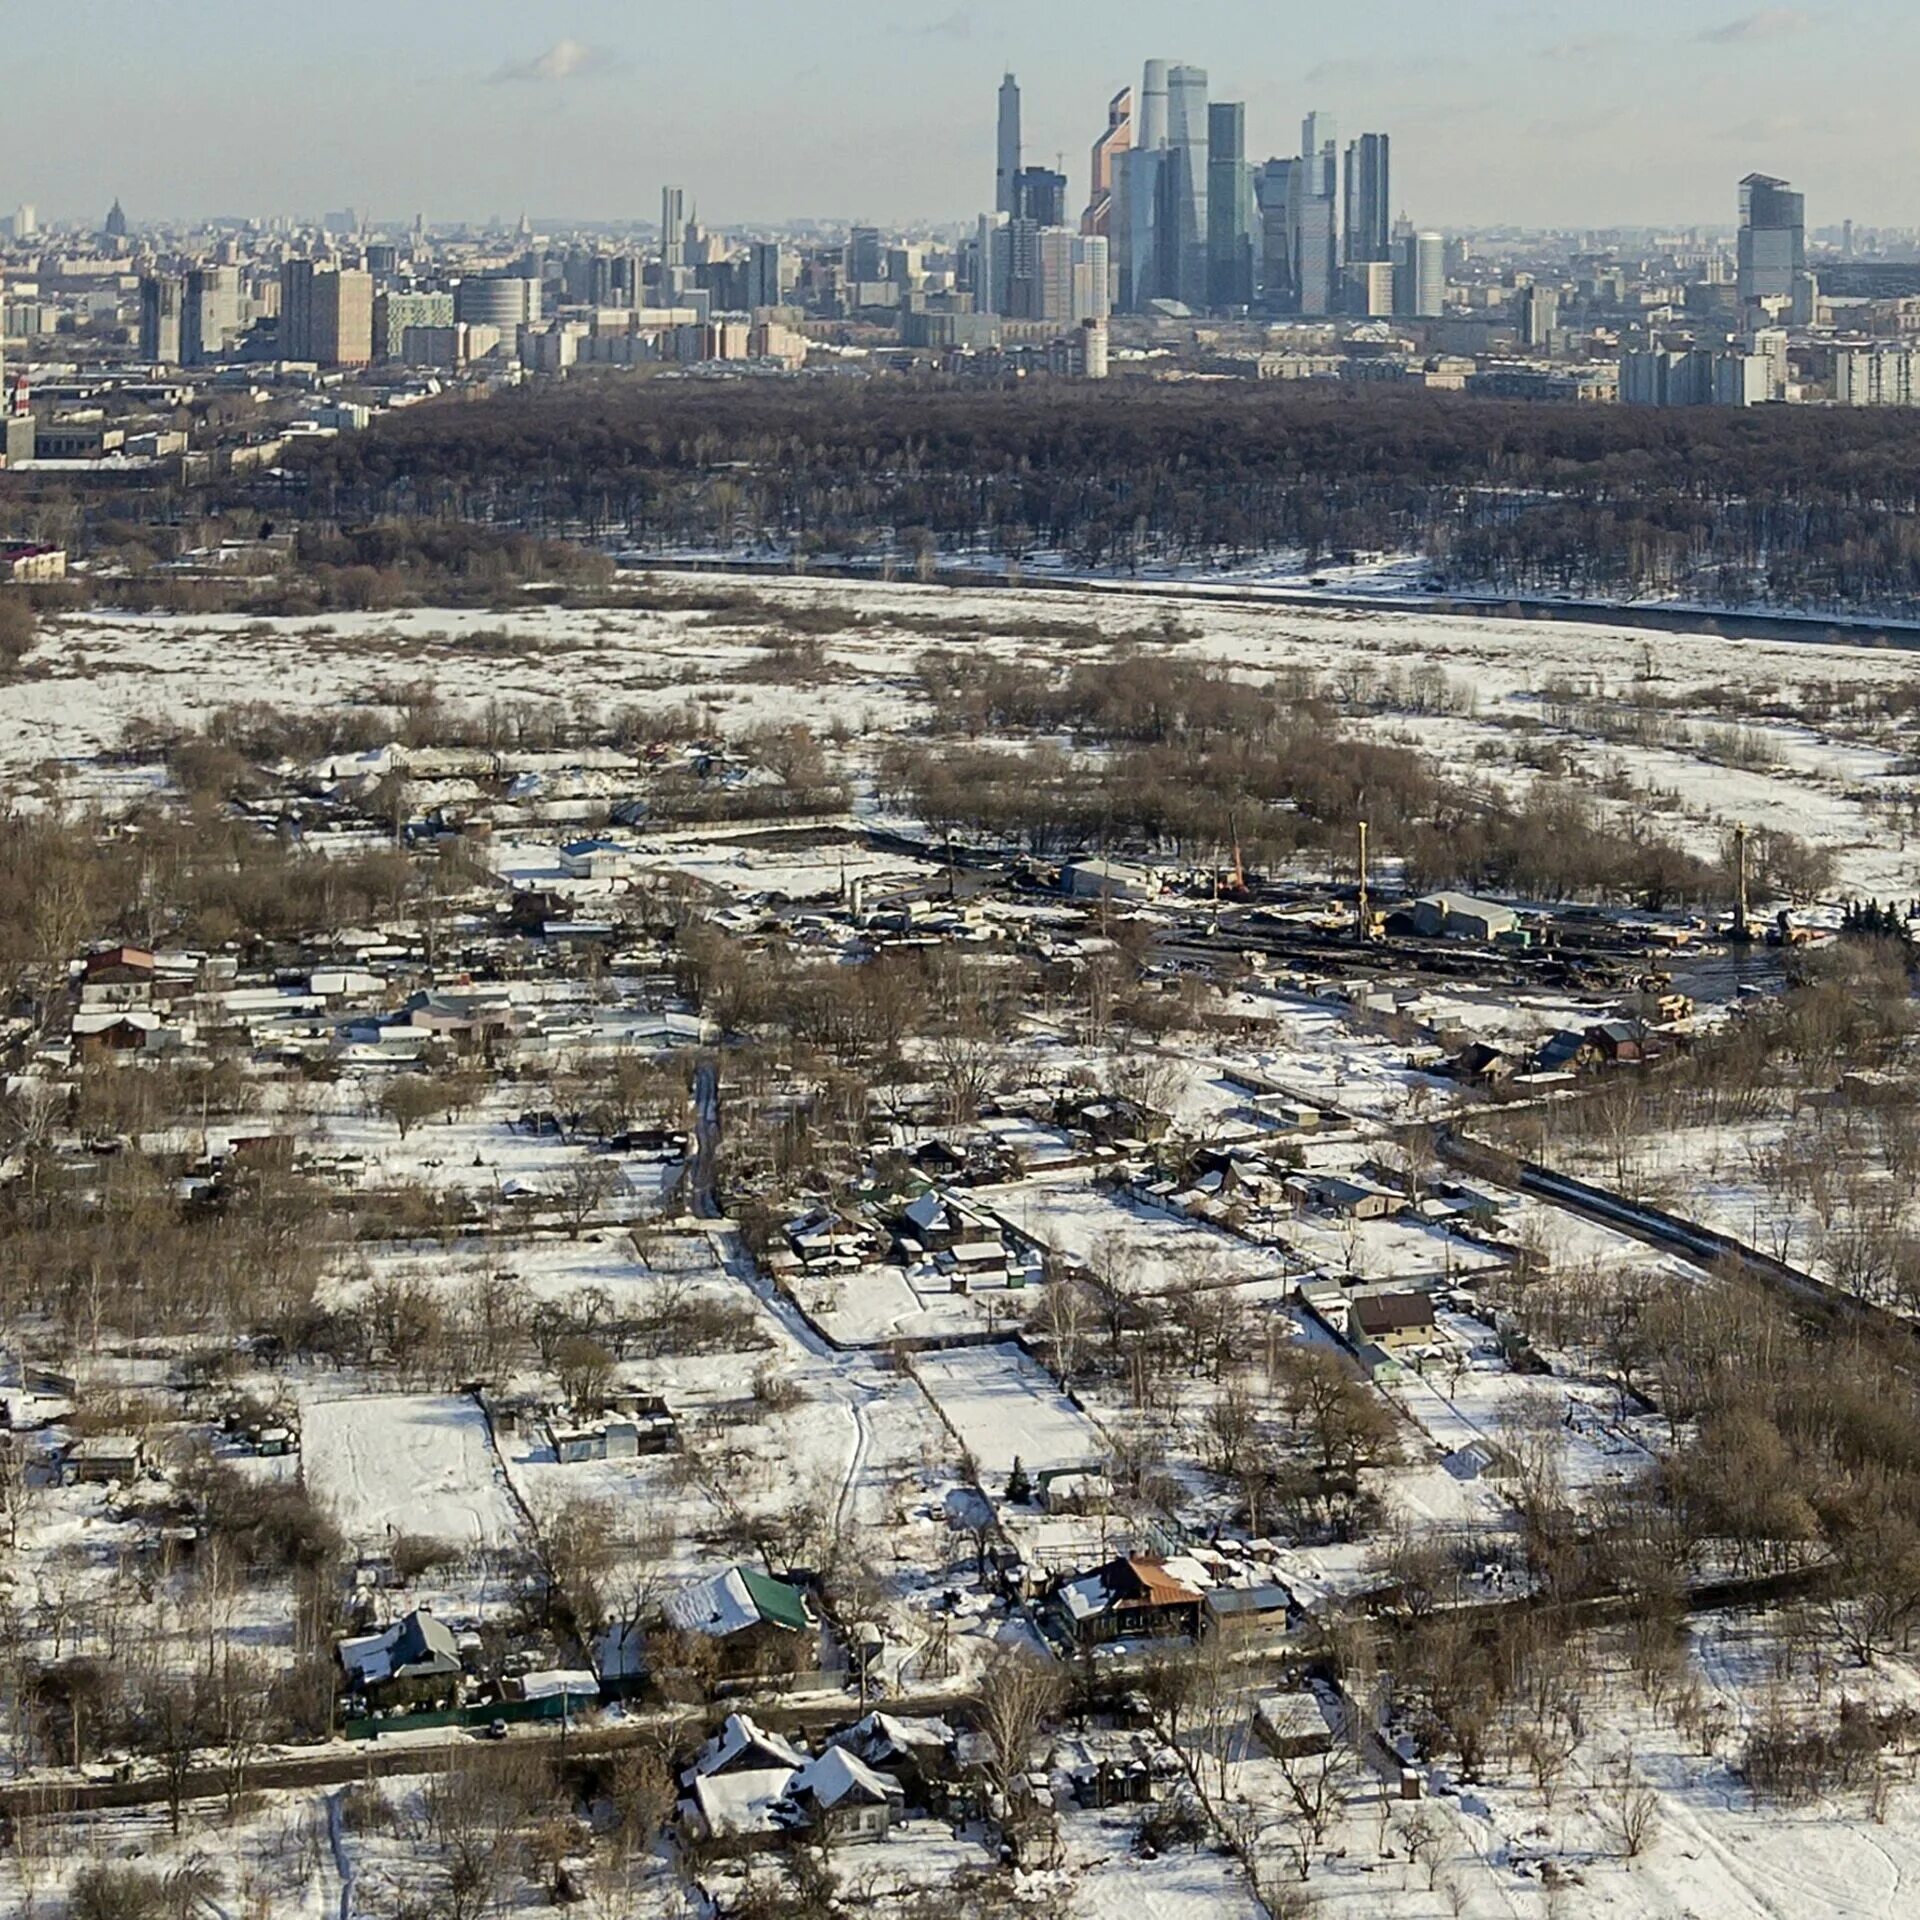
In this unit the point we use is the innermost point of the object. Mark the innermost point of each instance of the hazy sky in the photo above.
(1561, 111)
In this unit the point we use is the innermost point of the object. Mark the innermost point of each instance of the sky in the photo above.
(1563, 112)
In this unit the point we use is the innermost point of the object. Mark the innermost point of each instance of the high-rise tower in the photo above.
(1107, 150)
(1188, 135)
(1230, 208)
(673, 229)
(1369, 221)
(1773, 239)
(1007, 170)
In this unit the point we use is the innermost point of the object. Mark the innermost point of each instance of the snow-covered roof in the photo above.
(838, 1775)
(417, 1644)
(576, 1681)
(740, 1738)
(735, 1804)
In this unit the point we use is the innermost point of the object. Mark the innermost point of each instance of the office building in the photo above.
(1773, 240)
(1316, 217)
(1536, 315)
(1369, 199)
(1159, 225)
(505, 301)
(1007, 167)
(1188, 135)
(396, 313)
(1107, 150)
(767, 275)
(673, 231)
(1152, 131)
(1231, 211)
(1315, 232)
(1420, 278)
(1273, 200)
(1369, 289)
(161, 298)
(866, 256)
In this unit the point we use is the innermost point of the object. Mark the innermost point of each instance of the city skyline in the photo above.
(1501, 117)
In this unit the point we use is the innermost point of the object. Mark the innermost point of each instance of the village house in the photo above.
(1352, 1199)
(918, 1753)
(413, 1663)
(105, 1459)
(839, 1796)
(601, 861)
(735, 1785)
(1131, 1598)
(1292, 1726)
(760, 1626)
(1394, 1322)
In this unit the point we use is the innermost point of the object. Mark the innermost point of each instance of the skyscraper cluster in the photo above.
(1030, 264)
(1192, 224)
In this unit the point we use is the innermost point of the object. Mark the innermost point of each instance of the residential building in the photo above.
(1040, 195)
(1073, 270)
(768, 277)
(161, 298)
(673, 231)
(210, 313)
(1877, 376)
(1369, 286)
(326, 314)
(1537, 314)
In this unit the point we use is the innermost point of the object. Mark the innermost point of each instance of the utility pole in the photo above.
(1742, 931)
(1366, 915)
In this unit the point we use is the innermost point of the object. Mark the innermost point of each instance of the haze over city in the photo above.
(1544, 115)
(959, 961)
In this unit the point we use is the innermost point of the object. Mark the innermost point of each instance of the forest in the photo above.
(1786, 507)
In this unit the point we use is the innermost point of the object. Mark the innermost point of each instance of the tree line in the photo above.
(1790, 506)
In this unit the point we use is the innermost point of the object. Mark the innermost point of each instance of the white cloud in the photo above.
(1770, 23)
(564, 60)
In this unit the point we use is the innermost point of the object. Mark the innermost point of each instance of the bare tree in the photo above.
(1629, 1809)
(1015, 1696)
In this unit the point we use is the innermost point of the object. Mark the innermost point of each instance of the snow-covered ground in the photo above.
(98, 672)
(388, 1465)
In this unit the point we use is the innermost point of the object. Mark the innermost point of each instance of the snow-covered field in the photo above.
(1842, 789)
(388, 1465)
(1004, 1408)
